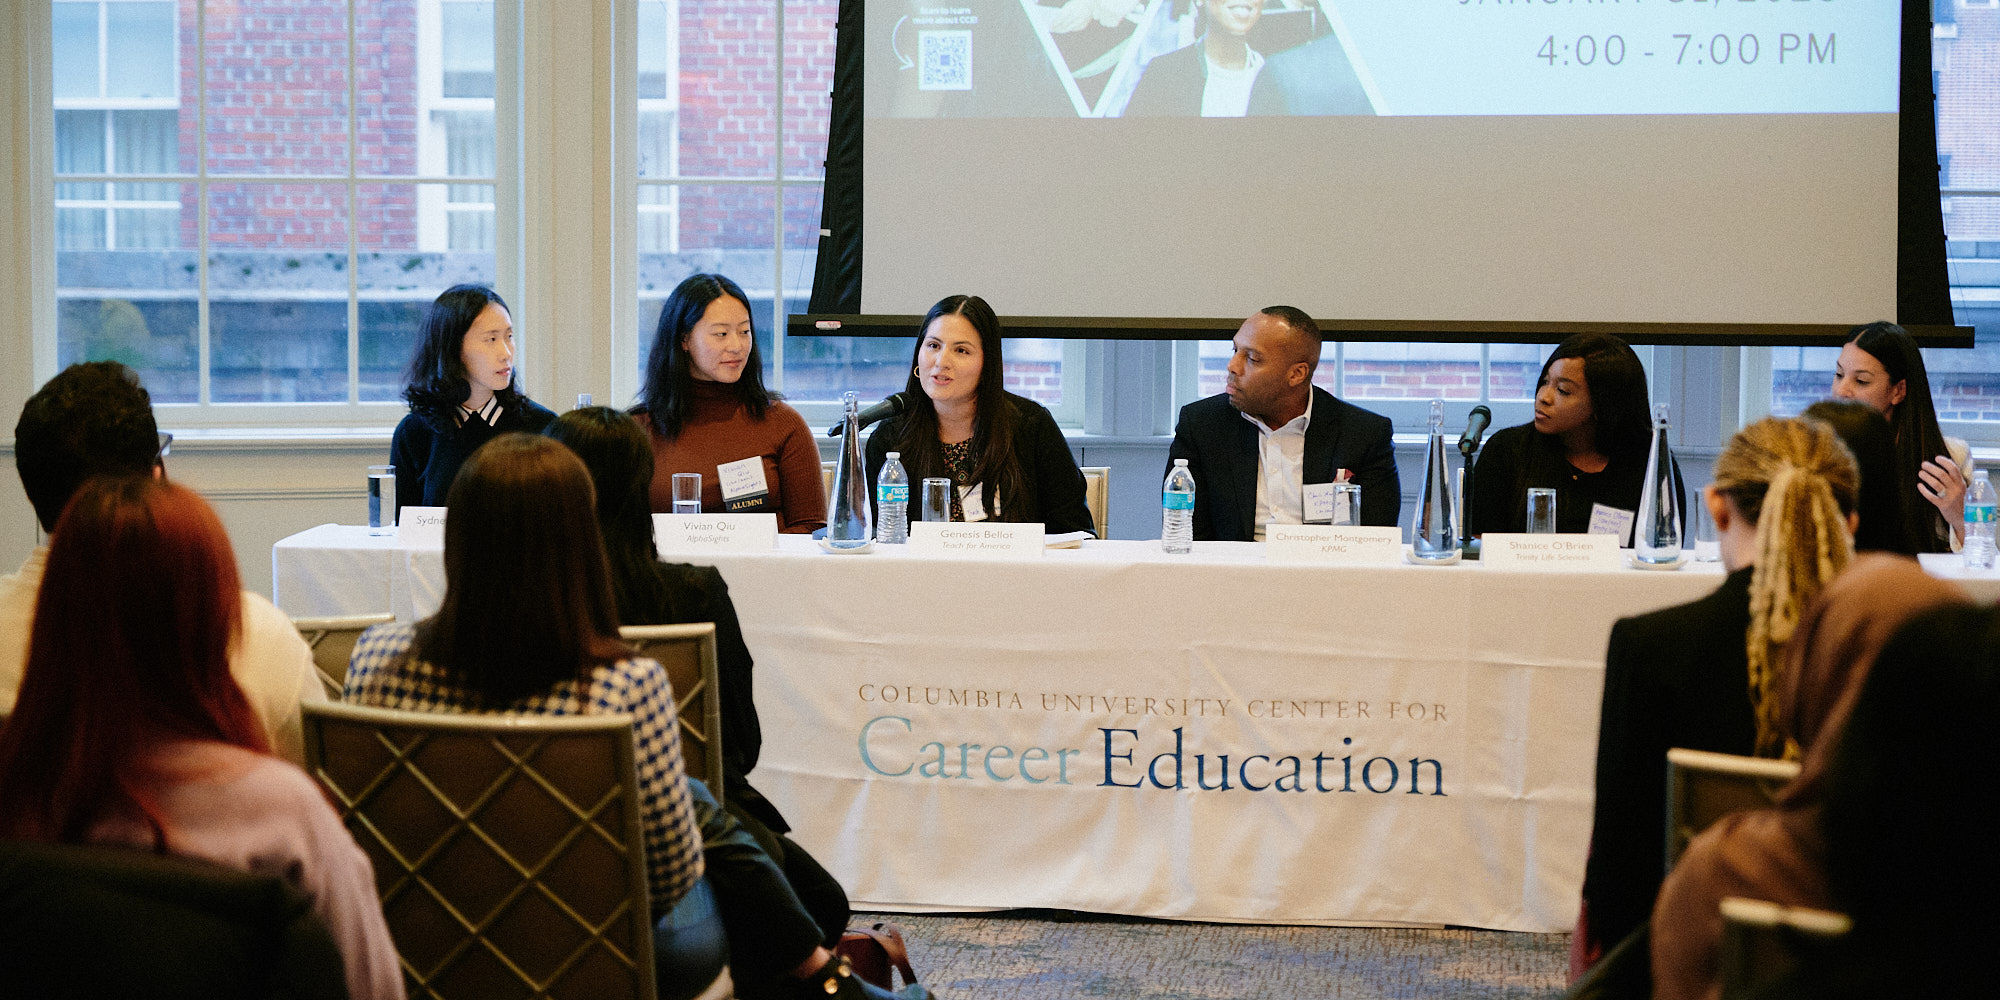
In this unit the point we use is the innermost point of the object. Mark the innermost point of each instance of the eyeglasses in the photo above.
(166, 445)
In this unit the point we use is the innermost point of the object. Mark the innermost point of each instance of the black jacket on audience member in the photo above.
(1678, 677)
(1051, 484)
(429, 446)
(1221, 449)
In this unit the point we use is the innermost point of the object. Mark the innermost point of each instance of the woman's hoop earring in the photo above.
(916, 372)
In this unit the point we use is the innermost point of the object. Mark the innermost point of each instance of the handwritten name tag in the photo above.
(1320, 544)
(1551, 553)
(742, 483)
(1611, 521)
(420, 528)
(983, 539)
(683, 534)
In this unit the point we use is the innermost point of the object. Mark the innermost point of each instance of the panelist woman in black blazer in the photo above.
(964, 426)
(1270, 378)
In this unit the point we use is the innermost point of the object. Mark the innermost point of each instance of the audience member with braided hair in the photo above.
(1704, 675)
(1779, 854)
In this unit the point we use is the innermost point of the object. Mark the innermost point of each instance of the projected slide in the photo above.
(1236, 58)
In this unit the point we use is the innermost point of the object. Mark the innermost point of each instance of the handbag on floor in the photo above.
(876, 953)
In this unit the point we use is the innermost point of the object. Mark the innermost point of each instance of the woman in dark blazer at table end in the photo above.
(962, 424)
(1589, 442)
(462, 392)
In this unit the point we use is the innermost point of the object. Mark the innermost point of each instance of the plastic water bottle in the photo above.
(1978, 551)
(1177, 509)
(892, 502)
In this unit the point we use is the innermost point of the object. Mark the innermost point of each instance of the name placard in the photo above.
(1551, 553)
(978, 539)
(420, 528)
(1329, 545)
(681, 534)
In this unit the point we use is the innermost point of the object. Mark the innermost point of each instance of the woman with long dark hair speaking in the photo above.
(1880, 366)
(1005, 456)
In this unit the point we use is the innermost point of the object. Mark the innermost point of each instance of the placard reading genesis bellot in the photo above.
(1713, 162)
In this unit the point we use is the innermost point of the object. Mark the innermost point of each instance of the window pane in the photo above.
(728, 88)
(141, 36)
(277, 284)
(1511, 369)
(398, 276)
(75, 32)
(126, 293)
(1412, 371)
(808, 85)
(277, 87)
(656, 57)
(656, 143)
(718, 229)
(81, 228)
(1800, 377)
(80, 142)
(145, 142)
(155, 337)
(468, 49)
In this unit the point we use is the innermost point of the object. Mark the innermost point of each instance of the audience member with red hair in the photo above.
(129, 728)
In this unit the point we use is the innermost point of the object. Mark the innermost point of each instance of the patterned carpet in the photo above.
(1041, 955)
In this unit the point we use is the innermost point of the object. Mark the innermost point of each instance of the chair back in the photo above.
(87, 921)
(688, 653)
(332, 643)
(1763, 941)
(1703, 787)
(826, 479)
(1097, 496)
(507, 848)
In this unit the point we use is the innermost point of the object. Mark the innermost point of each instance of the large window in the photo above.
(733, 105)
(250, 211)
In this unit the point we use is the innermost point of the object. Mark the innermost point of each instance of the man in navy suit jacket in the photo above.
(1270, 403)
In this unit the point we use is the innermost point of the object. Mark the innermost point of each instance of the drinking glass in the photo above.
(381, 499)
(687, 492)
(937, 499)
(1541, 511)
(1707, 548)
(1347, 504)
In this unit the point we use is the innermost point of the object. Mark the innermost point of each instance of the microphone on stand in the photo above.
(1475, 428)
(895, 404)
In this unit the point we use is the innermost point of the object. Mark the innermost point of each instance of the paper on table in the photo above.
(1068, 539)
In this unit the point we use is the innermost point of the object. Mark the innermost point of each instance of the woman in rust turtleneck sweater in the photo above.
(707, 411)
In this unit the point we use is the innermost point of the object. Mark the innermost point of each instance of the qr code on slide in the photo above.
(944, 60)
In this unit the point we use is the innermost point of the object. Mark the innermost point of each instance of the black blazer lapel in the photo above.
(1322, 435)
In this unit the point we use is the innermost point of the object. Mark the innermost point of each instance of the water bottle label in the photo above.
(892, 493)
(1979, 513)
(1175, 500)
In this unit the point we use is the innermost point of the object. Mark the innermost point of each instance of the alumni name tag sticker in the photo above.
(1329, 545)
(420, 528)
(977, 540)
(688, 534)
(743, 484)
(1551, 553)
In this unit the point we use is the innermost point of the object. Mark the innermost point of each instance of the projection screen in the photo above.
(1730, 162)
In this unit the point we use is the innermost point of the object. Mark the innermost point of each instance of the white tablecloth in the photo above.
(1402, 744)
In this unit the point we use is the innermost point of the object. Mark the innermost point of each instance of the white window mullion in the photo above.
(203, 392)
(353, 218)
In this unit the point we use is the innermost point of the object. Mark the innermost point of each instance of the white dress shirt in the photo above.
(1281, 459)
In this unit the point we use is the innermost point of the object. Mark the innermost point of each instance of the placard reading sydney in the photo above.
(1332, 545)
(420, 528)
(1550, 553)
(1134, 59)
(979, 539)
(680, 534)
